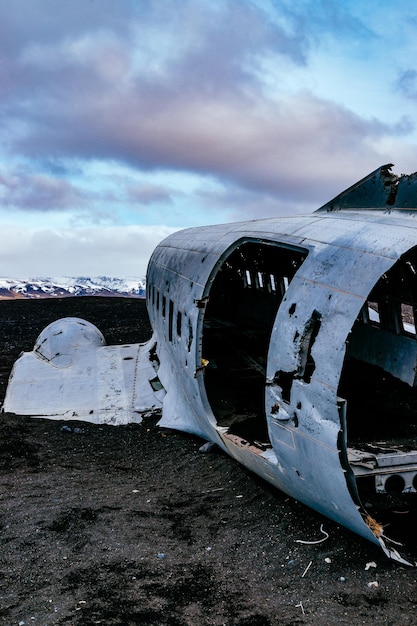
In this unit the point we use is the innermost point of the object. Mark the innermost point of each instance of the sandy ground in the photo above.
(135, 525)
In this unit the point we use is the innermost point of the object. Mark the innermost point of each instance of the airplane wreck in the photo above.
(289, 342)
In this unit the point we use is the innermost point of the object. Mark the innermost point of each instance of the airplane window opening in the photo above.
(407, 318)
(170, 320)
(236, 333)
(190, 336)
(179, 323)
(273, 283)
(373, 313)
(164, 305)
(379, 386)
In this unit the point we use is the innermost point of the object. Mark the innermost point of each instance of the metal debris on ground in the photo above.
(311, 543)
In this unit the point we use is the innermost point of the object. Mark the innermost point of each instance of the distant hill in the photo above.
(63, 287)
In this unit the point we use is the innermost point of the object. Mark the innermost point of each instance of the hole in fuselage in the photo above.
(243, 303)
(378, 382)
(394, 484)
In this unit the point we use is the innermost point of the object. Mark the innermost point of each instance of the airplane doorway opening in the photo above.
(378, 385)
(243, 302)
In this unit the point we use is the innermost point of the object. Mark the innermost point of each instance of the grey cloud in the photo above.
(111, 251)
(286, 146)
(407, 83)
(96, 88)
(67, 51)
(57, 167)
(49, 21)
(260, 144)
(38, 192)
(238, 204)
(146, 194)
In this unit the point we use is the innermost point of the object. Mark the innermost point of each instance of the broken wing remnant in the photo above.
(72, 374)
(289, 342)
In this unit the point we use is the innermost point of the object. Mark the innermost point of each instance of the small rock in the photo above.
(369, 565)
(162, 556)
(66, 429)
(373, 584)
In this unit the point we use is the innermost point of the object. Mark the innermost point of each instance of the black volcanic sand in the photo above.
(133, 525)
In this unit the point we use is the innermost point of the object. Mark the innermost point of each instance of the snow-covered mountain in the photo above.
(62, 287)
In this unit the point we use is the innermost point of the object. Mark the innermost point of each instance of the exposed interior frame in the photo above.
(378, 388)
(243, 302)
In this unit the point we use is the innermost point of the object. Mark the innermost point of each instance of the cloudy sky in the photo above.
(124, 120)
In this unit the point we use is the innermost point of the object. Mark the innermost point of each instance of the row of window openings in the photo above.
(258, 280)
(262, 280)
(405, 320)
(155, 297)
